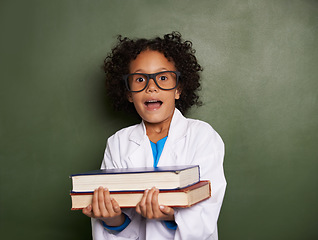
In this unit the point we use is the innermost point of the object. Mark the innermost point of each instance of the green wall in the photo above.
(259, 89)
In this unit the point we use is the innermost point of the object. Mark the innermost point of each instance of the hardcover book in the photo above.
(185, 197)
(130, 179)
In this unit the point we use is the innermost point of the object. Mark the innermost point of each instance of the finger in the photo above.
(155, 204)
(167, 210)
(101, 202)
(88, 211)
(116, 206)
(95, 204)
(142, 203)
(149, 208)
(138, 208)
(108, 203)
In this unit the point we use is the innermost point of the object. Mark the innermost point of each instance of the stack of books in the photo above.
(179, 186)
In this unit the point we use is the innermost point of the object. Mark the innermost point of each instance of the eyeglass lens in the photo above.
(165, 80)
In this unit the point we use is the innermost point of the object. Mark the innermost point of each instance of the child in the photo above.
(158, 79)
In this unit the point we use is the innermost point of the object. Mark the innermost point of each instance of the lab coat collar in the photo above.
(138, 134)
(177, 129)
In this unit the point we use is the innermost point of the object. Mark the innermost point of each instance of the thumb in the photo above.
(116, 206)
(166, 210)
(88, 211)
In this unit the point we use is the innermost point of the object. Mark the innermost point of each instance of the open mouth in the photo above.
(153, 104)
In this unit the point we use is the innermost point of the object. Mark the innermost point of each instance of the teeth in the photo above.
(150, 101)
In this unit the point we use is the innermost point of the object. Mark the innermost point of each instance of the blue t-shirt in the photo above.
(156, 151)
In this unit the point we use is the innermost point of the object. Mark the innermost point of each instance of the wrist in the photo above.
(114, 221)
(169, 218)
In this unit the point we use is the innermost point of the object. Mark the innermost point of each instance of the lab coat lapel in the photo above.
(177, 132)
(141, 155)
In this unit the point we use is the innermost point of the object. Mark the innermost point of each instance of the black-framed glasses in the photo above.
(137, 82)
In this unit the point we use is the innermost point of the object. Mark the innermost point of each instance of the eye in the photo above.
(163, 78)
(139, 78)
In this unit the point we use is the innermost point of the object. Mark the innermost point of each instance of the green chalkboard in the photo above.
(259, 92)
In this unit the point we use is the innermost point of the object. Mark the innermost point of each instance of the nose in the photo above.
(152, 86)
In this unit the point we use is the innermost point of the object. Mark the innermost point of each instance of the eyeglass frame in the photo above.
(153, 77)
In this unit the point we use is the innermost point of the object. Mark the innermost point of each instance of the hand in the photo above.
(149, 207)
(105, 208)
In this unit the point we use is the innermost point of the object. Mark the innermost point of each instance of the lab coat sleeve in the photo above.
(200, 221)
(132, 230)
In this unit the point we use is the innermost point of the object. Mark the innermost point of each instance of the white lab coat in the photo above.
(189, 142)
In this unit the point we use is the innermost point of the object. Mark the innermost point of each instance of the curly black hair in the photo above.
(174, 48)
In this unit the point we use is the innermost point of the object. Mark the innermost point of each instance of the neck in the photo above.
(157, 131)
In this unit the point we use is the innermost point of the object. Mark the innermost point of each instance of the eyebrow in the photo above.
(158, 70)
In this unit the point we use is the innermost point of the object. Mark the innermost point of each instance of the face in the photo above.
(154, 106)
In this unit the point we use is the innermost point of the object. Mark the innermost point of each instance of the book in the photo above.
(185, 197)
(129, 179)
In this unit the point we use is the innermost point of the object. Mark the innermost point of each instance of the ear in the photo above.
(129, 97)
(177, 93)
